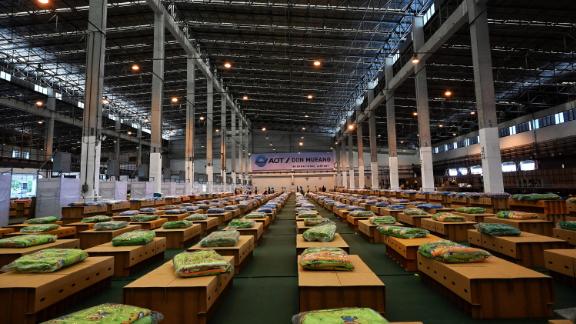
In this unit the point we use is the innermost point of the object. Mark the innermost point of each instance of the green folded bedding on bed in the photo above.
(48, 260)
(340, 316)
(450, 252)
(241, 223)
(200, 263)
(536, 197)
(109, 314)
(415, 212)
(316, 221)
(42, 220)
(308, 214)
(110, 226)
(361, 213)
(221, 239)
(28, 240)
(448, 217)
(471, 210)
(326, 258)
(96, 219)
(196, 217)
(512, 214)
(380, 220)
(143, 218)
(40, 228)
(320, 233)
(496, 229)
(402, 232)
(571, 225)
(256, 215)
(137, 237)
(177, 224)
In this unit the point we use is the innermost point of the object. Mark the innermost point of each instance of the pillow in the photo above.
(415, 212)
(536, 197)
(221, 239)
(109, 313)
(241, 223)
(42, 220)
(448, 217)
(509, 214)
(177, 224)
(316, 221)
(110, 226)
(129, 213)
(378, 220)
(47, 260)
(96, 219)
(361, 213)
(471, 210)
(450, 252)
(320, 233)
(402, 232)
(39, 228)
(256, 215)
(196, 217)
(138, 237)
(200, 263)
(340, 316)
(496, 229)
(326, 258)
(143, 218)
(24, 241)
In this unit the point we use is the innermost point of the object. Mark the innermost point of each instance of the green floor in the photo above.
(266, 290)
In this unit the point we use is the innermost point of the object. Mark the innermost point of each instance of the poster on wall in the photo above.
(304, 161)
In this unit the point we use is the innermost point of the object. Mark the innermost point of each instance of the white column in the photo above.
(223, 153)
(117, 128)
(209, 121)
(240, 149)
(190, 124)
(49, 131)
(344, 159)
(92, 121)
(338, 177)
(351, 162)
(485, 98)
(360, 144)
(374, 172)
(246, 159)
(156, 104)
(391, 129)
(233, 145)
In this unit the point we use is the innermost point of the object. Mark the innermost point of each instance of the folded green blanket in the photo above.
(471, 210)
(42, 220)
(308, 214)
(340, 316)
(24, 241)
(48, 260)
(402, 232)
(221, 239)
(110, 226)
(536, 196)
(316, 221)
(177, 224)
(39, 228)
(137, 237)
(96, 219)
(415, 212)
(448, 217)
(450, 252)
(196, 217)
(321, 233)
(256, 215)
(241, 223)
(143, 218)
(200, 263)
(174, 211)
(571, 226)
(109, 314)
(326, 258)
(379, 220)
(511, 214)
(148, 210)
(496, 229)
(361, 213)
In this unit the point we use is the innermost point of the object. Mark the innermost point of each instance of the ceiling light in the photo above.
(301, 143)
(448, 93)
(350, 127)
(174, 100)
(271, 144)
(453, 134)
(135, 67)
(217, 130)
(401, 142)
(306, 116)
(263, 129)
(105, 101)
(245, 98)
(303, 128)
(146, 120)
(39, 103)
(44, 2)
(273, 149)
(317, 63)
(310, 96)
(414, 114)
(335, 143)
(440, 125)
(201, 118)
(301, 137)
(40, 122)
(129, 133)
(472, 113)
(415, 59)
(379, 135)
(227, 65)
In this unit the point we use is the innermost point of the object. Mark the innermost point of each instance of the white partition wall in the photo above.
(55, 193)
(141, 190)
(168, 188)
(114, 190)
(5, 184)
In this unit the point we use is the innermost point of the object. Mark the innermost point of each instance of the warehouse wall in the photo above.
(287, 181)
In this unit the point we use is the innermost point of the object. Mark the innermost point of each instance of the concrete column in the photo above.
(351, 162)
(139, 153)
(233, 144)
(49, 130)
(423, 109)
(485, 98)
(190, 124)
(117, 128)
(156, 104)
(240, 148)
(246, 158)
(391, 129)
(360, 144)
(338, 180)
(92, 119)
(223, 138)
(344, 162)
(374, 173)
(209, 121)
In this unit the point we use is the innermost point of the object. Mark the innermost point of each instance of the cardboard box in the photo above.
(453, 231)
(178, 237)
(493, 289)
(404, 251)
(209, 224)
(415, 221)
(25, 295)
(6, 230)
(256, 231)
(240, 252)
(151, 225)
(353, 221)
(80, 227)
(478, 218)
(335, 289)
(118, 206)
(8, 255)
(562, 261)
(92, 238)
(338, 241)
(126, 257)
(566, 235)
(61, 232)
(175, 217)
(536, 226)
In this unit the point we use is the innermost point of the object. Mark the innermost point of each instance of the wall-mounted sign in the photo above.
(292, 161)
